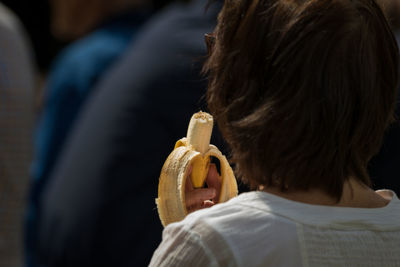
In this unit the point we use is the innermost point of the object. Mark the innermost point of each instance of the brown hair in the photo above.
(302, 90)
(392, 10)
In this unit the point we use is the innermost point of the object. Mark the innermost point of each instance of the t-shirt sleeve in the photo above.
(193, 243)
(182, 247)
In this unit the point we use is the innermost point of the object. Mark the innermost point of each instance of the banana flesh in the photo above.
(193, 150)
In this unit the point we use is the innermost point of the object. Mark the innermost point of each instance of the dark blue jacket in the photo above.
(70, 83)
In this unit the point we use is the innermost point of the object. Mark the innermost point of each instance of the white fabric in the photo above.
(261, 229)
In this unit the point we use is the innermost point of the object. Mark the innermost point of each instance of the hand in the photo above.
(201, 198)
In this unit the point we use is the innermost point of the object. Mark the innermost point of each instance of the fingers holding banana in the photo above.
(200, 198)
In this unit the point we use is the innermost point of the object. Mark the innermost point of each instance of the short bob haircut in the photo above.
(302, 90)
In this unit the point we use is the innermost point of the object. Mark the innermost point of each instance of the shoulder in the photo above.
(192, 244)
(233, 220)
(241, 230)
(250, 207)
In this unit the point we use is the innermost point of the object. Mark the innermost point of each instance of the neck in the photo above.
(355, 195)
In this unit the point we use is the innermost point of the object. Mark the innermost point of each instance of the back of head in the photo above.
(303, 90)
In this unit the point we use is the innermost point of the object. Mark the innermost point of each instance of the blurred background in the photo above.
(93, 96)
(35, 17)
(31, 39)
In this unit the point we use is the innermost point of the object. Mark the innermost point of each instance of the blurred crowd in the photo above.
(93, 96)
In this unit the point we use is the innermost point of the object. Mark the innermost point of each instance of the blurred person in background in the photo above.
(17, 84)
(99, 209)
(101, 31)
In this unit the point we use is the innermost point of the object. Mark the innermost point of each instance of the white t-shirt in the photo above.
(261, 229)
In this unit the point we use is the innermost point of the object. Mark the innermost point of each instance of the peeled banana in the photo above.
(193, 150)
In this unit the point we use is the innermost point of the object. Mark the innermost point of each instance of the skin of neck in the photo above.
(355, 195)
